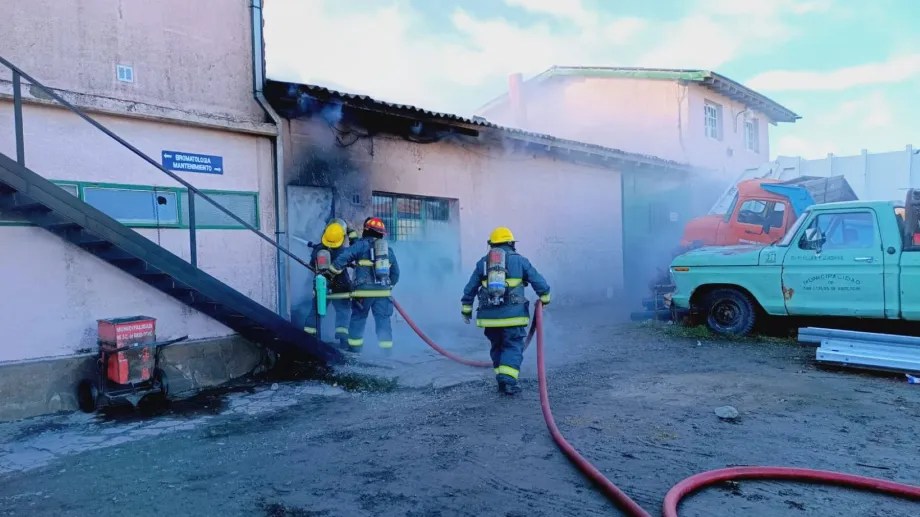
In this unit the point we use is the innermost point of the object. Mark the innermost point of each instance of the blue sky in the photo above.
(851, 68)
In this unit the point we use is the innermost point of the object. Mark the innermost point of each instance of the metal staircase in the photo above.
(48, 206)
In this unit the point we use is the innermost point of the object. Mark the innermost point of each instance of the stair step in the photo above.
(216, 310)
(172, 285)
(115, 255)
(27, 208)
(88, 240)
(188, 297)
(206, 306)
(152, 274)
(94, 244)
(136, 267)
(55, 224)
(6, 189)
(123, 259)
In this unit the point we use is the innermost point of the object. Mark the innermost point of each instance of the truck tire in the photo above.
(730, 312)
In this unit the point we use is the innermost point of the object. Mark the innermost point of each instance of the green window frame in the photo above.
(168, 209)
(411, 218)
(134, 206)
(244, 205)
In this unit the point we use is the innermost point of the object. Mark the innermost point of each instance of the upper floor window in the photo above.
(124, 73)
(713, 119)
(752, 135)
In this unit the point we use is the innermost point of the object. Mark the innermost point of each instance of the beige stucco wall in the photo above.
(65, 289)
(566, 216)
(729, 154)
(192, 91)
(190, 61)
(653, 117)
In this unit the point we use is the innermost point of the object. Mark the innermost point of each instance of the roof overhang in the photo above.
(293, 101)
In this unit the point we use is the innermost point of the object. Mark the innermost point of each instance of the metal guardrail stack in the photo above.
(884, 352)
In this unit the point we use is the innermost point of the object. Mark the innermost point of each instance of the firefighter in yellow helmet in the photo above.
(350, 231)
(498, 281)
(331, 246)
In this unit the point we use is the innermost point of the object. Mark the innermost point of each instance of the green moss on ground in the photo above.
(702, 332)
(361, 383)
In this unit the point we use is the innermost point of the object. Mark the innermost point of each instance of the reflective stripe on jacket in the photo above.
(358, 255)
(514, 309)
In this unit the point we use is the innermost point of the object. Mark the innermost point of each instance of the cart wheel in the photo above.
(87, 396)
(271, 358)
(160, 376)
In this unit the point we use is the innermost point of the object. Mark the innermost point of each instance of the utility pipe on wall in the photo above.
(258, 82)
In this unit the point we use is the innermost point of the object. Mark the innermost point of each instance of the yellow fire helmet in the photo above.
(501, 235)
(334, 236)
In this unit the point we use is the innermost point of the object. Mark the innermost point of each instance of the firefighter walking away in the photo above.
(376, 273)
(499, 281)
(331, 246)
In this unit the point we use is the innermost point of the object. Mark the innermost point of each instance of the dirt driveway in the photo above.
(636, 400)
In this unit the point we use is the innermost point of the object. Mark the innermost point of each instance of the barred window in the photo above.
(411, 218)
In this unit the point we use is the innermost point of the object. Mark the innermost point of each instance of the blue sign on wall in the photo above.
(191, 162)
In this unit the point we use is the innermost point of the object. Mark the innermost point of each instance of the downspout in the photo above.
(258, 82)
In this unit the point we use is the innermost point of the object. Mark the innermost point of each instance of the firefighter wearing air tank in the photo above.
(333, 243)
(499, 281)
(376, 273)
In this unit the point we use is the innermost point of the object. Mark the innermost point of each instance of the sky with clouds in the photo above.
(850, 68)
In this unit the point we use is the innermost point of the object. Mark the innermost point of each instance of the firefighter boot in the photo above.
(508, 385)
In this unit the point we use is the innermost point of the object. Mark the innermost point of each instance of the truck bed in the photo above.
(825, 190)
(805, 191)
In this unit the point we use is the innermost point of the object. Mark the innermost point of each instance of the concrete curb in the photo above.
(44, 386)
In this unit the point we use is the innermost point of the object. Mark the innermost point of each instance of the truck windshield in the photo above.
(792, 231)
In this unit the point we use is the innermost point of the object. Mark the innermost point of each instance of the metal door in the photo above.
(308, 208)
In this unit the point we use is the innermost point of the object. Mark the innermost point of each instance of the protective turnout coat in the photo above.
(514, 310)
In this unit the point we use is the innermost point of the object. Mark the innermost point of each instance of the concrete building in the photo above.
(690, 116)
(442, 182)
(170, 85)
(185, 92)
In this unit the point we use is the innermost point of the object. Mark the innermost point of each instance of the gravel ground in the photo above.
(637, 400)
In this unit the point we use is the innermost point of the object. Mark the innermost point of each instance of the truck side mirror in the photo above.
(812, 239)
(766, 227)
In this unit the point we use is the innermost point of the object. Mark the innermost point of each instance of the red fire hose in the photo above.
(445, 353)
(691, 484)
(435, 346)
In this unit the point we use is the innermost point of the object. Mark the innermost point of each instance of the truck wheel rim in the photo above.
(726, 313)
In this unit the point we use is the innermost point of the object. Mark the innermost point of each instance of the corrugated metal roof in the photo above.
(716, 82)
(327, 95)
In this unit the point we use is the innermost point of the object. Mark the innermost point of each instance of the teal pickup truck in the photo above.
(851, 259)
